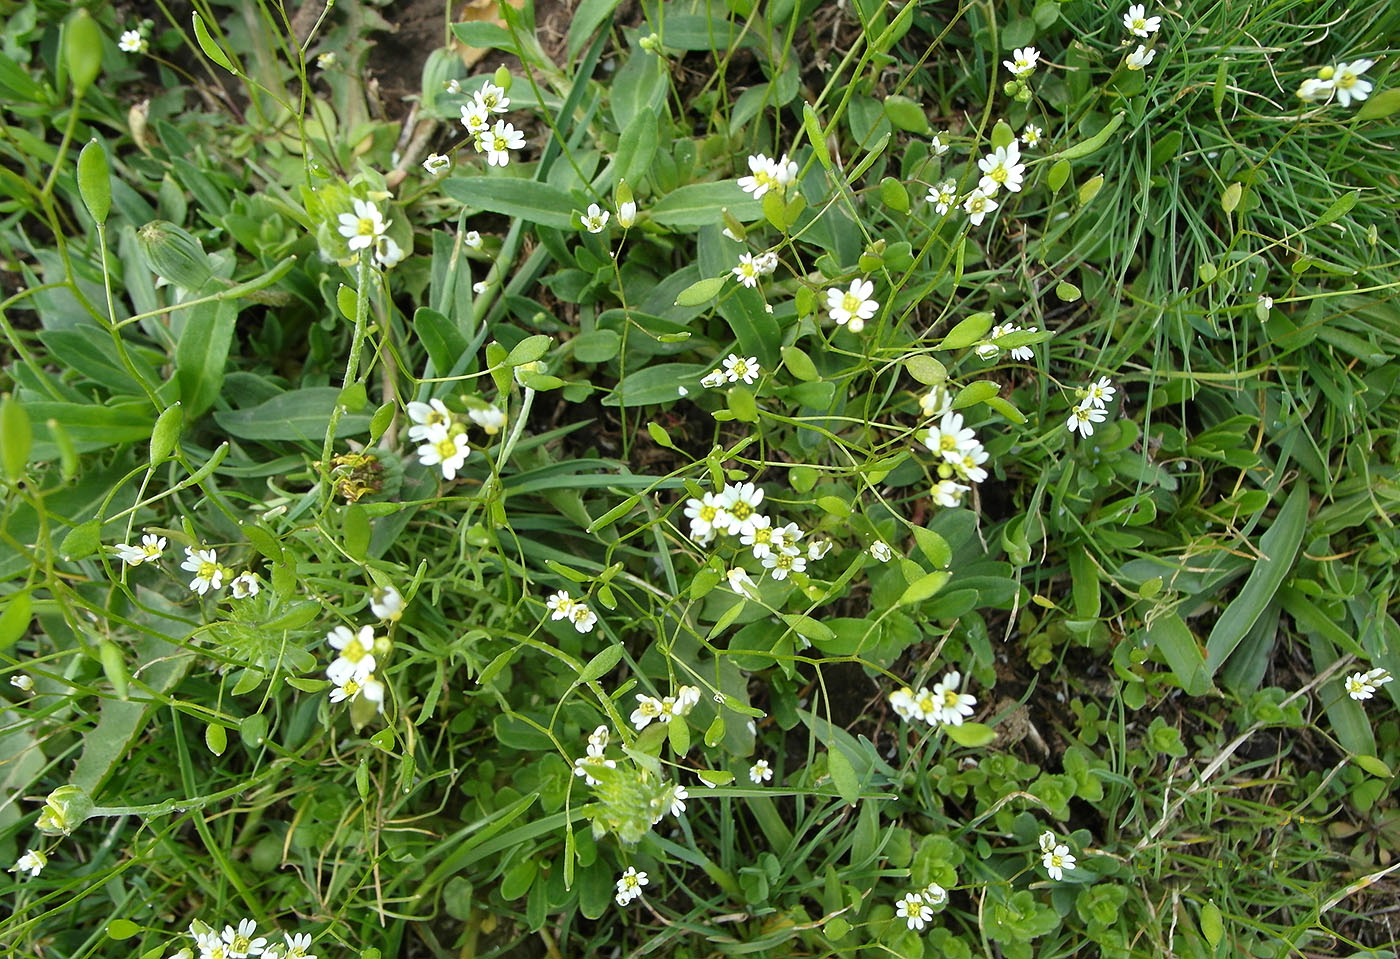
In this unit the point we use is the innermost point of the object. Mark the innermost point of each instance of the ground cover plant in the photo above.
(687, 479)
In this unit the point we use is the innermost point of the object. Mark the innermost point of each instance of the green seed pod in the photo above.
(502, 78)
(82, 49)
(16, 437)
(95, 180)
(166, 432)
(114, 666)
(174, 254)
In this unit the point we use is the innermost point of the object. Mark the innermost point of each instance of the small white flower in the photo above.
(245, 585)
(210, 945)
(786, 170)
(817, 549)
(707, 516)
(132, 42)
(936, 402)
(498, 141)
(241, 942)
(934, 894)
(759, 536)
(1022, 62)
(356, 660)
(943, 196)
(596, 219)
(648, 708)
(1361, 686)
(362, 227)
(1031, 135)
(387, 253)
(298, 945)
(765, 263)
(472, 239)
(686, 699)
(978, 205)
(1266, 303)
(779, 565)
(1047, 841)
(476, 118)
(949, 493)
(1057, 860)
(1083, 417)
(952, 707)
(585, 764)
(629, 886)
(1140, 58)
(437, 163)
(747, 271)
(738, 368)
(881, 551)
(493, 98)
(488, 418)
(33, 862)
(1100, 392)
(425, 417)
(582, 618)
(949, 438)
(760, 772)
(1023, 353)
(559, 604)
(208, 574)
(786, 538)
(386, 603)
(742, 583)
(902, 701)
(444, 449)
(712, 379)
(969, 464)
(627, 213)
(914, 910)
(1001, 168)
(1314, 88)
(740, 504)
(937, 144)
(23, 682)
(763, 176)
(854, 306)
(324, 61)
(480, 287)
(151, 548)
(678, 798)
(1346, 80)
(1138, 23)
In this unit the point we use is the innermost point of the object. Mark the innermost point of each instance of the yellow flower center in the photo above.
(762, 534)
(950, 697)
(1347, 80)
(851, 303)
(446, 448)
(1140, 24)
(946, 442)
(998, 173)
(783, 561)
(364, 226)
(354, 651)
(499, 143)
(208, 570)
(708, 513)
(977, 204)
(741, 369)
(741, 510)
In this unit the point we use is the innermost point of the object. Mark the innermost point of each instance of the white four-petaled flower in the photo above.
(596, 219)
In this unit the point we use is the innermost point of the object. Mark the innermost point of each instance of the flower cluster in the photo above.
(1021, 66)
(496, 140)
(943, 705)
(1361, 686)
(751, 268)
(916, 908)
(851, 308)
(734, 512)
(1139, 25)
(962, 455)
(243, 942)
(665, 709)
(443, 436)
(597, 746)
(1001, 169)
(732, 370)
(352, 671)
(629, 886)
(1340, 80)
(209, 573)
(765, 174)
(1091, 408)
(1055, 856)
(563, 606)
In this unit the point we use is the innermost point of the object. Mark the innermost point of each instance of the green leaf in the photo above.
(1059, 174)
(527, 200)
(809, 628)
(1179, 648)
(659, 436)
(799, 364)
(741, 404)
(202, 354)
(82, 540)
(972, 735)
(894, 195)
(906, 114)
(600, 665)
(587, 17)
(924, 587)
(14, 620)
(1342, 205)
(114, 667)
(678, 731)
(974, 393)
(1278, 547)
(441, 338)
(1373, 766)
(1381, 105)
(636, 148)
(210, 48)
(813, 128)
(1212, 927)
(1090, 189)
(699, 204)
(1002, 134)
(968, 332)
(355, 532)
(16, 437)
(528, 350)
(1230, 199)
(295, 415)
(122, 929)
(843, 775)
(701, 291)
(1094, 142)
(95, 180)
(653, 384)
(926, 369)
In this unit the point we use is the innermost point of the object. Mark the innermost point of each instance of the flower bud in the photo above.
(174, 254)
(82, 50)
(64, 811)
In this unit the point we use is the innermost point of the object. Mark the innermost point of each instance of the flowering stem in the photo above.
(352, 368)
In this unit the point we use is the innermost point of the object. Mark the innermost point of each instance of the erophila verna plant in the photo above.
(765, 478)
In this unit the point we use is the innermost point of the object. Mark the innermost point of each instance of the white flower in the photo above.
(1083, 417)
(583, 764)
(1057, 860)
(1361, 686)
(747, 271)
(629, 886)
(437, 163)
(854, 306)
(582, 617)
(1346, 80)
(151, 548)
(759, 536)
(245, 585)
(938, 146)
(387, 253)
(978, 205)
(760, 772)
(1031, 135)
(742, 583)
(356, 659)
(493, 98)
(1264, 305)
(902, 701)
(737, 368)
(765, 263)
(780, 564)
(934, 894)
(881, 551)
(950, 439)
(787, 537)
(240, 942)
(706, 515)
(949, 493)
(448, 450)
(1138, 23)
(472, 239)
(1022, 62)
(943, 196)
(23, 682)
(33, 862)
(914, 910)
(627, 213)
(1001, 168)
(497, 141)
(987, 351)
(952, 706)
(763, 176)
(740, 503)
(386, 603)
(480, 287)
(364, 226)
(648, 708)
(1140, 58)
(488, 418)
(969, 465)
(1315, 89)
(425, 417)
(297, 946)
(1100, 392)
(324, 61)
(132, 42)
(678, 798)
(453, 86)
(208, 574)
(1047, 841)
(596, 219)
(786, 170)
(936, 401)
(559, 605)
(476, 118)
(686, 699)
(712, 379)
(349, 687)
(1023, 352)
